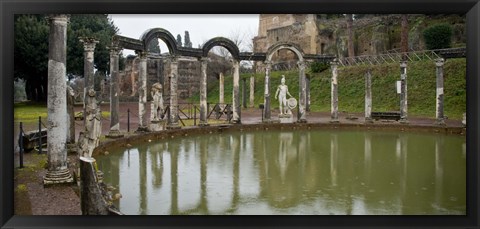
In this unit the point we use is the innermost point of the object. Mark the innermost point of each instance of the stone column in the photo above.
(114, 103)
(222, 90)
(439, 105)
(403, 94)
(57, 125)
(267, 112)
(203, 93)
(334, 93)
(236, 92)
(302, 106)
(173, 122)
(244, 92)
(252, 91)
(368, 97)
(88, 65)
(88, 69)
(142, 92)
(307, 85)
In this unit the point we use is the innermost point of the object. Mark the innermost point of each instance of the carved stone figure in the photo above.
(281, 93)
(157, 103)
(89, 139)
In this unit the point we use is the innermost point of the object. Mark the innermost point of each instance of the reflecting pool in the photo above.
(292, 172)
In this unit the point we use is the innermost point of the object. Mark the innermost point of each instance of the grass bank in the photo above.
(351, 88)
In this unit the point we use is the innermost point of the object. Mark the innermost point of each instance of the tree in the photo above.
(31, 54)
(404, 36)
(351, 50)
(153, 46)
(31, 48)
(187, 42)
(179, 40)
(438, 36)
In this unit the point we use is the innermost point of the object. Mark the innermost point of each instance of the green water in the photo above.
(292, 172)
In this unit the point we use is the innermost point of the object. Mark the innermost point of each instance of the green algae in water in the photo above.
(292, 172)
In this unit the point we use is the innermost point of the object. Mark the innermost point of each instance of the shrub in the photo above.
(438, 36)
(317, 67)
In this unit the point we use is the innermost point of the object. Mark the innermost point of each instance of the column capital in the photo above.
(62, 19)
(403, 64)
(301, 64)
(334, 62)
(114, 50)
(173, 58)
(141, 54)
(88, 43)
(203, 59)
(439, 62)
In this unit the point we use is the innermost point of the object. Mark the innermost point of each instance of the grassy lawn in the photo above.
(421, 80)
(28, 112)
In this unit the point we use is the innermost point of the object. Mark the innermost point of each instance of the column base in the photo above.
(236, 122)
(173, 126)
(368, 120)
(334, 121)
(302, 121)
(156, 125)
(114, 134)
(403, 121)
(440, 122)
(142, 129)
(267, 121)
(204, 124)
(57, 177)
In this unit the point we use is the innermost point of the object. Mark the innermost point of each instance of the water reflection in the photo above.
(292, 172)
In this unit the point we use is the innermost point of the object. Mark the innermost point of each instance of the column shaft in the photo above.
(440, 96)
(368, 97)
(403, 95)
(57, 102)
(252, 91)
(222, 90)
(236, 92)
(267, 111)
(173, 94)
(142, 92)
(302, 116)
(203, 93)
(114, 103)
(334, 91)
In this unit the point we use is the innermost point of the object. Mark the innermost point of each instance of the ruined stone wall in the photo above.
(373, 34)
(158, 70)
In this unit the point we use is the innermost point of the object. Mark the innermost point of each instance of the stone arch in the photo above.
(224, 42)
(164, 35)
(285, 45)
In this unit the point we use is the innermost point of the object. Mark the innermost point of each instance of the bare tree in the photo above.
(351, 50)
(404, 36)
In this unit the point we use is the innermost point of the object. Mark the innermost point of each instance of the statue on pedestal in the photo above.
(157, 102)
(281, 93)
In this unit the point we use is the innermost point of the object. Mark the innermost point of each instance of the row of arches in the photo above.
(176, 52)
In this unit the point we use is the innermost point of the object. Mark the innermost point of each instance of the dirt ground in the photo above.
(31, 198)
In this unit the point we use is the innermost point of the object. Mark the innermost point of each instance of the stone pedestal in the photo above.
(157, 125)
(285, 118)
(114, 134)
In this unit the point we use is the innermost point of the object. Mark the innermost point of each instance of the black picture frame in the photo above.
(471, 8)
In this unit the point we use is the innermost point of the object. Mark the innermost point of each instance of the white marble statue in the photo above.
(89, 139)
(281, 93)
(157, 103)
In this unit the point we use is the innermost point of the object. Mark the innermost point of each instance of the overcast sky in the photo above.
(201, 27)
